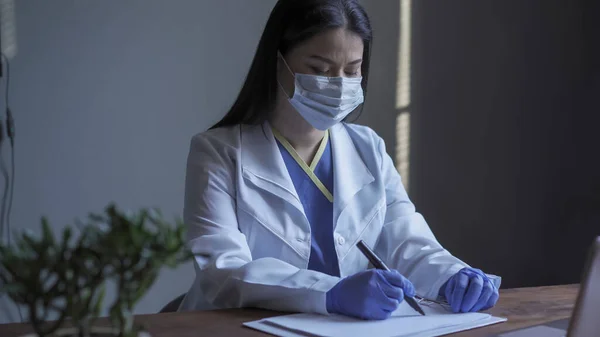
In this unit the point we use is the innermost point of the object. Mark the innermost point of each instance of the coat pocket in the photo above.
(266, 243)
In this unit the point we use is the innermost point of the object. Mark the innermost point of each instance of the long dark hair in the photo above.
(291, 23)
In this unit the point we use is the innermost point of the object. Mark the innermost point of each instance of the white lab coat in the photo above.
(248, 227)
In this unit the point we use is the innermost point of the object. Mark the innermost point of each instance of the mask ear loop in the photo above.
(285, 62)
(289, 69)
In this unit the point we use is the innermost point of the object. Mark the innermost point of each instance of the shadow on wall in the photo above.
(503, 134)
(580, 218)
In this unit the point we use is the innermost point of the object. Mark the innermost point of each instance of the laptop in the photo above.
(584, 321)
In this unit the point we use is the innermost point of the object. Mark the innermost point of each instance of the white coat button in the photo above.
(341, 240)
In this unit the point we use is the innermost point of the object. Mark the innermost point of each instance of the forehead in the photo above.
(340, 45)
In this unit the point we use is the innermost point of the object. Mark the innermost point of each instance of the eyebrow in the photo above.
(326, 60)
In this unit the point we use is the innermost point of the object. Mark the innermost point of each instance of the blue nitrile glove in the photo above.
(372, 294)
(469, 290)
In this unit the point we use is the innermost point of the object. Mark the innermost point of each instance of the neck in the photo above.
(293, 126)
(299, 137)
(300, 134)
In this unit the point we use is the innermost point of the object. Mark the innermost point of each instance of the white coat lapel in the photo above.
(263, 165)
(350, 172)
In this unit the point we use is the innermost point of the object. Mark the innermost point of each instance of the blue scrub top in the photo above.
(316, 200)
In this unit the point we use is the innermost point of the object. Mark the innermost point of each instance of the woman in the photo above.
(279, 191)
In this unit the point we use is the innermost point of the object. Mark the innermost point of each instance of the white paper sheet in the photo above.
(404, 323)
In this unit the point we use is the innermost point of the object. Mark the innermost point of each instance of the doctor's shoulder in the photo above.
(368, 143)
(215, 145)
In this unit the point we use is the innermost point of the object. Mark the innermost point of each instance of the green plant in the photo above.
(137, 247)
(67, 276)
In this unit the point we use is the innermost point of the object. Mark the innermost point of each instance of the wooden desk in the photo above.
(523, 307)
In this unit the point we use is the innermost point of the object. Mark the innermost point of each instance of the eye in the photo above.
(355, 73)
(318, 71)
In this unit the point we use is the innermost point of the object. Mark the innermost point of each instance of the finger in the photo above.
(473, 293)
(389, 304)
(367, 315)
(388, 296)
(486, 294)
(392, 292)
(398, 280)
(409, 289)
(492, 301)
(385, 289)
(477, 271)
(460, 287)
(394, 278)
(448, 290)
(379, 311)
(380, 315)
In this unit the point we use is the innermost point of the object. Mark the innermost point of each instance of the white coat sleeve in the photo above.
(406, 242)
(227, 275)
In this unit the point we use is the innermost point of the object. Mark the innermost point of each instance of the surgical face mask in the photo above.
(325, 101)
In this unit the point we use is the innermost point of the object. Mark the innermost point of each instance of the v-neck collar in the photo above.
(309, 170)
(263, 165)
(296, 156)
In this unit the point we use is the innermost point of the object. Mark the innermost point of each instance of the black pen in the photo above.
(377, 263)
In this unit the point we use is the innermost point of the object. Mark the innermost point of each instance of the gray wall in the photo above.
(505, 161)
(107, 94)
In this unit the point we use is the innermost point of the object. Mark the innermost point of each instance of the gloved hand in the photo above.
(469, 290)
(372, 294)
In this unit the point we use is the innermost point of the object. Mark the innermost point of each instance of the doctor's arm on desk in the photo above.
(226, 274)
(407, 244)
